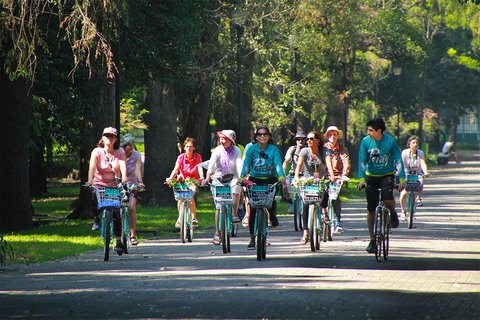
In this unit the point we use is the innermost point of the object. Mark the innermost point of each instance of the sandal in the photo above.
(304, 239)
(419, 203)
(236, 219)
(133, 241)
(245, 222)
(326, 220)
(216, 239)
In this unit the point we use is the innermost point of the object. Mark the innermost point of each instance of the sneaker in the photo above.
(403, 216)
(394, 220)
(371, 247)
(290, 208)
(195, 222)
(119, 247)
(251, 245)
(338, 227)
(96, 224)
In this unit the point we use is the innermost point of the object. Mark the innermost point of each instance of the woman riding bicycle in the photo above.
(264, 162)
(107, 161)
(134, 172)
(187, 166)
(291, 156)
(340, 165)
(315, 158)
(225, 163)
(414, 163)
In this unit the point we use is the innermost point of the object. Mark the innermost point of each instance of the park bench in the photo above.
(442, 158)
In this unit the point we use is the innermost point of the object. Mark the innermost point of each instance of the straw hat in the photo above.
(333, 128)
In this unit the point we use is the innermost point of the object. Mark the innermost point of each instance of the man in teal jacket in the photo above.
(378, 161)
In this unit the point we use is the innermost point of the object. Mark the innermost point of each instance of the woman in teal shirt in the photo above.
(264, 164)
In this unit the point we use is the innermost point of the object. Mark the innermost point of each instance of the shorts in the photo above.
(386, 183)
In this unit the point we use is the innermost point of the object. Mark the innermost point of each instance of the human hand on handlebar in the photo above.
(361, 186)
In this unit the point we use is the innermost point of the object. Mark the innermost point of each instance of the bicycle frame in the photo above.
(312, 196)
(183, 194)
(412, 186)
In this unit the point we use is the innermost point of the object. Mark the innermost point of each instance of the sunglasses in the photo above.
(262, 134)
(109, 135)
(263, 155)
(310, 139)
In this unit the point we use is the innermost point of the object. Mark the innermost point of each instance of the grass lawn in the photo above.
(73, 237)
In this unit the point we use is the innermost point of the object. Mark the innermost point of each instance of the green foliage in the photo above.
(6, 252)
(131, 111)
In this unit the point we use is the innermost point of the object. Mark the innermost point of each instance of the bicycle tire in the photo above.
(386, 233)
(320, 229)
(265, 236)
(297, 223)
(126, 230)
(223, 228)
(378, 233)
(183, 222)
(106, 230)
(313, 226)
(260, 233)
(411, 209)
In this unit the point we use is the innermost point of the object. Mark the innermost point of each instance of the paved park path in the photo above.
(432, 272)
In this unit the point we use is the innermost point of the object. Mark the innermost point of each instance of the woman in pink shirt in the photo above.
(106, 161)
(186, 166)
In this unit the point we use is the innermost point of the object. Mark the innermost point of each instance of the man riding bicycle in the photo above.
(378, 160)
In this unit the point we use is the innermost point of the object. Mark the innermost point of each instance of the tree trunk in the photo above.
(160, 143)
(199, 115)
(38, 168)
(15, 111)
(104, 117)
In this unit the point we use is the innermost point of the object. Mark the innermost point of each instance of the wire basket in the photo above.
(412, 183)
(334, 189)
(222, 194)
(182, 192)
(261, 196)
(312, 193)
(108, 197)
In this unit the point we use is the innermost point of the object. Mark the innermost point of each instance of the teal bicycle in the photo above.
(222, 194)
(333, 192)
(183, 194)
(108, 200)
(297, 207)
(312, 196)
(261, 197)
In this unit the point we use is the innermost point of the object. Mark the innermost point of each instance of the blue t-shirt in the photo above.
(270, 165)
(379, 158)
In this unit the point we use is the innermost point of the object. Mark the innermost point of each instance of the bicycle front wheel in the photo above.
(261, 241)
(183, 221)
(378, 233)
(297, 214)
(126, 230)
(223, 228)
(411, 209)
(106, 230)
(386, 233)
(313, 226)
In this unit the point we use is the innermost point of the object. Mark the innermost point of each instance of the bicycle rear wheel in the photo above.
(223, 228)
(106, 230)
(126, 230)
(190, 227)
(260, 234)
(411, 209)
(386, 233)
(378, 233)
(183, 221)
(297, 214)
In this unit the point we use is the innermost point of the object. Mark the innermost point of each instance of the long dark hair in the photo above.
(319, 136)
(270, 139)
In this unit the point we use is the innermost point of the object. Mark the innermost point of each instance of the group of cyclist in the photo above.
(314, 155)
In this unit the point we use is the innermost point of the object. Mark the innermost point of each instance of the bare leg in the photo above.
(217, 214)
(370, 223)
(193, 208)
(132, 211)
(403, 200)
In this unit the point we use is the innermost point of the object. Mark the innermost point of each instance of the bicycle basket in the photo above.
(261, 196)
(311, 193)
(412, 183)
(181, 191)
(334, 190)
(108, 197)
(222, 194)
